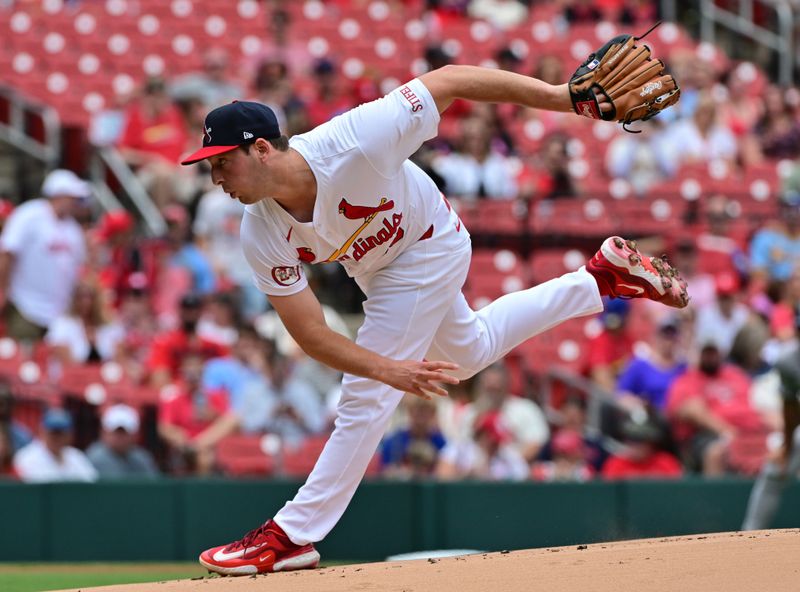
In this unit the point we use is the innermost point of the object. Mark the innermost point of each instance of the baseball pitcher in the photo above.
(347, 192)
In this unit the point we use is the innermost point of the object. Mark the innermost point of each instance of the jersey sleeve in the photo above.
(392, 128)
(277, 269)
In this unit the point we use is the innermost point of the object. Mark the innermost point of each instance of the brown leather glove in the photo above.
(627, 76)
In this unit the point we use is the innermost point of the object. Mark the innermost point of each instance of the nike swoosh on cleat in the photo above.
(223, 556)
(637, 289)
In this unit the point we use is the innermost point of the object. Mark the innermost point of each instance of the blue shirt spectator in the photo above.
(414, 451)
(248, 363)
(775, 252)
(194, 260)
(649, 381)
(395, 448)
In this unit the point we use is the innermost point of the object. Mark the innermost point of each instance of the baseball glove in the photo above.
(625, 74)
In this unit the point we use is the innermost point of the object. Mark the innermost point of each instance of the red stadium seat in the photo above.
(562, 347)
(297, 461)
(241, 455)
(546, 264)
(492, 274)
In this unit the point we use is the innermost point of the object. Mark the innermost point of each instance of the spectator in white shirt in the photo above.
(701, 138)
(521, 418)
(502, 14)
(476, 169)
(643, 159)
(85, 334)
(721, 320)
(491, 456)
(51, 458)
(41, 251)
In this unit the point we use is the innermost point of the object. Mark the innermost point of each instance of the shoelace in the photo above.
(248, 539)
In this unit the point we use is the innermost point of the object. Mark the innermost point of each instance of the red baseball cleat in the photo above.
(263, 550)
(622, 271)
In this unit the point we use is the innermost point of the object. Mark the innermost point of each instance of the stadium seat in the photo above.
(241, 455)
(297, 461)
(546, 264)
(494, 273)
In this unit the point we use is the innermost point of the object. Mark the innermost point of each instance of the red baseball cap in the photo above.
(726, 284)
(567, 442)
(115, 222)
(491, 425)
(233, 125)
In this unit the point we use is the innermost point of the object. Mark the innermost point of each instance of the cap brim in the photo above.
(206, 152)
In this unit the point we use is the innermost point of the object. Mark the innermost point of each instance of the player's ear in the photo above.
(262, 148)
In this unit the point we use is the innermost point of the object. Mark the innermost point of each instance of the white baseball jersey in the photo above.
(372, 203)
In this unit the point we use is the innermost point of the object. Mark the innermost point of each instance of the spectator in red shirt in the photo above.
(171, 346)
(153, 140)
(329, 98)
(193, 420)
(119, 254)
(154, 128)
(709, 407)
(640, 457)
(611, 349)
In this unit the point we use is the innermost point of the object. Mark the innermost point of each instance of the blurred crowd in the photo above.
(180, 316)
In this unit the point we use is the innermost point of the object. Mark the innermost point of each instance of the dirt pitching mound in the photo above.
(746, 562)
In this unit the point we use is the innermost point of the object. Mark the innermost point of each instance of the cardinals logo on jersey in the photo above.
(353, 212)
(390, 229)
(306, 255)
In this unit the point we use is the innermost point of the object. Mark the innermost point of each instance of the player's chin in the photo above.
(246, 199)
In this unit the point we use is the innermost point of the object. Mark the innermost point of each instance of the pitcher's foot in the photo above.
(622, 271)
(263, 550)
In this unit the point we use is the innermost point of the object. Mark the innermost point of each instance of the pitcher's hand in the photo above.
(418, 378)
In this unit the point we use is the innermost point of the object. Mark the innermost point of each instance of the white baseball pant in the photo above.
(415, 310)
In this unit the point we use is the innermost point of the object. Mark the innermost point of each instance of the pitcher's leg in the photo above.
(475, 339)
(362, 416)
(405, 304)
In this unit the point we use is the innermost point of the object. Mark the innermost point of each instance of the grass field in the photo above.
(36, 577)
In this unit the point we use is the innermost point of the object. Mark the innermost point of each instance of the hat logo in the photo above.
(247, 135)
(208, 134)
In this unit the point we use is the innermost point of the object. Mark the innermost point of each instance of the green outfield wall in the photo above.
(176, 519)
